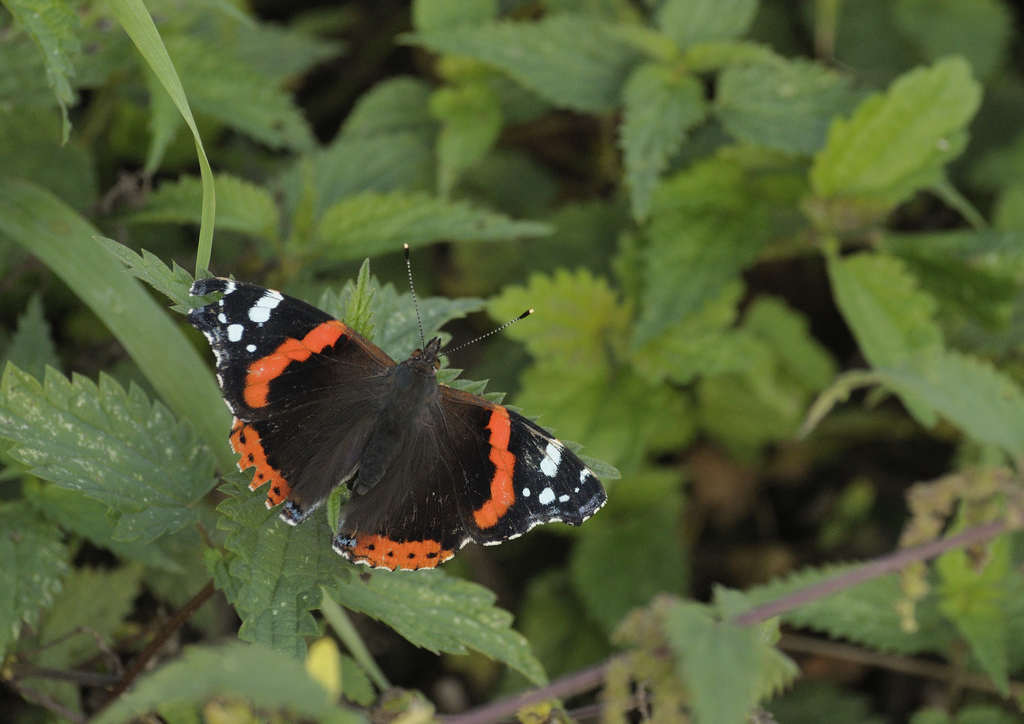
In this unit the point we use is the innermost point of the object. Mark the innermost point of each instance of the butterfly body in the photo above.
(430, 468)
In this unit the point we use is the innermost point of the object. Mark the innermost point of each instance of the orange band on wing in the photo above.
(382, 552)
(246, 442)
(503, 494)
(266, 369)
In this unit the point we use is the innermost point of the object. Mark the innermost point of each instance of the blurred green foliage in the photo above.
(775, 251)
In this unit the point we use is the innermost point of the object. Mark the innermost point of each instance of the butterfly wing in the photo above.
(303, 386)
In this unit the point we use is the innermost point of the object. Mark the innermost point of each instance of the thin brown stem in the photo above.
(46, 702)
(85, 678)
(797, 644)
(166, 631)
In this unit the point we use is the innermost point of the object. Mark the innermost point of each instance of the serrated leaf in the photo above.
(572, 61)
(988, 405)
(784, 104)
(721, 664)
(241, 206)
(52, 25)
(173, 282)
(396, 105)
(96, 599)
(641, 522)
(788, 334)
(397, 331)
(978, 30)
(661, 105)
(33, 560)
(899, 142)
(277, 570)
(31, 347)
(974, 600)
(358, 308)
(440, 613)
(222, 86)
(864, 614)
(441, 14)
(707, 224)
(355, 684)
(471, 121)
(115, 446)
(265, 678)
(376, 223)
(695, 21)
(276, 51)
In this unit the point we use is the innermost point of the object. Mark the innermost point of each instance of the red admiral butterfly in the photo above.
(430, 468)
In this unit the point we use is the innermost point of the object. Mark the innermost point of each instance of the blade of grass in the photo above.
(342, 626)
(136, 21)
(65, 242)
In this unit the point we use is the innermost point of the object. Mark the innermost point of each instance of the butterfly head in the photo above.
(427, 358)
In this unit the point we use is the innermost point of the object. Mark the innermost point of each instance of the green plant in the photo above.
(751, 269)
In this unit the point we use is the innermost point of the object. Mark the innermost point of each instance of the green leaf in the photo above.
(397, 331)
(356, 685)
(358, 308)
(572, 61)
(241, 206)
(67, 245)
(696, 21)
(979, 30)
(113, 445)
(784, 104)
(222, 86)
(33, 560)
(788, 334)
(277, 569)
(375, 223)
(31, 348)
(440, 613)
(138, 23)
(723, 666)
(471, 121)
(988, 405)
(887, 312)
(52, 25)
(95, 599)
(975, 602)
(661, 105)
(899, 142)
(396, 105)
(173, 281)
(440, 14)
(707, 224)
(164, 122)
(640, 523)
(267, 679)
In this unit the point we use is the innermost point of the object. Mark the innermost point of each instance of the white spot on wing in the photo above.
(546, 497)
(235, 332)
(526, 492)
(229, 287)
(260, 311)
(584, 474)
(252, 348)
(552, 457)
(563, 498)
(222, 318)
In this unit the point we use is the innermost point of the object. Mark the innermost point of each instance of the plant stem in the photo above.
(342, 626)
(166, 631)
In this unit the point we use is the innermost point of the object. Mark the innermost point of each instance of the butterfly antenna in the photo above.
(415, 303)
(509, 323)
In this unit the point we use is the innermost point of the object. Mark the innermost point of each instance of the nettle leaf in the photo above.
(863, 614)
(440, 613)
(571, 61)
(226, 88)
(31, 347)
(440, 14)
(241, 206)
(277, 569)
(899, 142)
(172, 281)
(695, 21)
(784, 104)
(274, 50)
(979, 30)
(398, 104)
(375, 223)
(94, 598)
(661, 105)
(52, 25)
(265, 678)
(707, 223)
(115, 446)
(33, 561)
(723, 666)
(640, 522)
(975, 601)
(394, 316)
(471, 121)
(987, 404)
